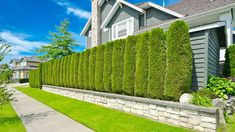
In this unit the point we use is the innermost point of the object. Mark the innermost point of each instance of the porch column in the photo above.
(227, 17)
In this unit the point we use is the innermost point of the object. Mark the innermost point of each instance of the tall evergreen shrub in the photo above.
(58, 72)
(43, 73)
(86, 69)
(61, 72)
(40, 76)
(108, 51)
(69, 71)
(99, 68)
(157, 63)
(229, 66)
(31, 78)
(76, 65)
(117, 65)
(92, 65)
(179, 61)
(129, 66)
(141, 83)
(81, 71)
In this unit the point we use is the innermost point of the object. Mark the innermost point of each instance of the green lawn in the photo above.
(230, 127)
(96, 117)
(9, 121)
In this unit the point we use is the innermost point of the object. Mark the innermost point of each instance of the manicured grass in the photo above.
(9, 121)
(96, 117)
(230, 127)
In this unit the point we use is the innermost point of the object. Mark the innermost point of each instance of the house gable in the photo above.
(116, 7)
(105, 9)
(154, 15)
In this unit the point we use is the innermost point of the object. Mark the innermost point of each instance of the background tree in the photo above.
(5, 95)
(5, 73)
(62, 43)
(4, 49)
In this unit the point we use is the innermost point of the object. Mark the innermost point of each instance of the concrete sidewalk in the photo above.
(38, 117)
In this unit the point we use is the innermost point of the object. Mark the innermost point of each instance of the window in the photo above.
(123, 29)
(90, 34)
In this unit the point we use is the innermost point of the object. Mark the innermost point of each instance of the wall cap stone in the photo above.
(143, 100)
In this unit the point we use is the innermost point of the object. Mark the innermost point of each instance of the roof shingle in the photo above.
(192, 7)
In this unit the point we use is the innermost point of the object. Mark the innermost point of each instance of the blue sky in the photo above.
(26, 23)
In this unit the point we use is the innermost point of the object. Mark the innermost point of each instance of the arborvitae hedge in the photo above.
(108, 51)
(117, 65)
(35, 77)
(156, 63)
(99, 68)
(58, 71)
(179, 61)
(229, 66)
(76, 66)
(86, 69)
(67, 71)
(73, 70)
(141, 83)
(39, 75)
(129, 66)
(92, 65)
(61, 71)
(147, 65)
(81, 71)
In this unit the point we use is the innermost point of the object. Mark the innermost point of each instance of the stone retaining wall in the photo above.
(184, 115)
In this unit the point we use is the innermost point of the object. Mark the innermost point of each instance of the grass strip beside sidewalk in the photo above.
(9, 121)
(96, 117)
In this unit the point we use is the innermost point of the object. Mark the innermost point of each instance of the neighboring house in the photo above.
(21, 67)
(211, 23)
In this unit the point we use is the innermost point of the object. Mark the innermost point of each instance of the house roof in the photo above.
(116, 7)
(193, 18)
(15, 60)
(32, 59)
(147, 5)
(192, 7)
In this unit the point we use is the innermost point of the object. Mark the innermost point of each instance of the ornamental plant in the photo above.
(222, 87)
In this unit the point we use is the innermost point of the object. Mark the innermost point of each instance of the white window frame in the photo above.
(90, 33)
(129, 32)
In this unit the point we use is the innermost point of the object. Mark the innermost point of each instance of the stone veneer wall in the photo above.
(184, 115)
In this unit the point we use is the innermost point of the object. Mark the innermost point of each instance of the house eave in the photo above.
(193, 18)
(84, 30)
(115, 8)
(150, 4)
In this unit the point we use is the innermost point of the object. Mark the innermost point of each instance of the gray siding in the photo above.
(155, 16)
(205, 47)
(88, 42)
(106, 8)
(105, 36)
(199, 42)
(213, 53)
(124, 13)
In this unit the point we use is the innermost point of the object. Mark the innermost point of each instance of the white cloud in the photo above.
(75, 11)
(20, 44)
(78, 12)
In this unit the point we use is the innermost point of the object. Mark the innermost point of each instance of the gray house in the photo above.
(211, 24)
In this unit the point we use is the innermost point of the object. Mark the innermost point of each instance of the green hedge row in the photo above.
(229, 66)
(35, 77)
(154, 64)
(179, 61)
